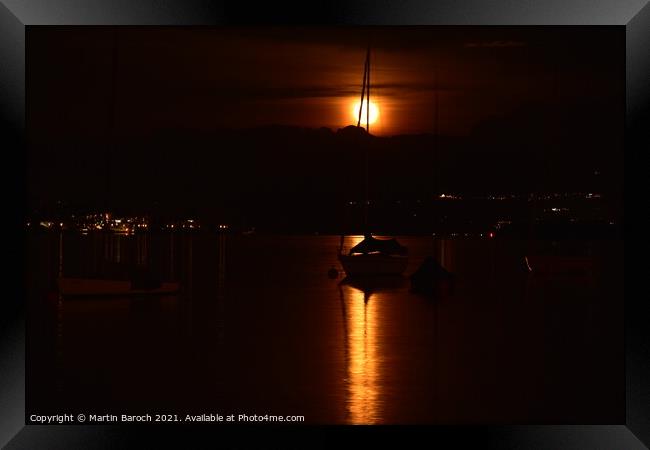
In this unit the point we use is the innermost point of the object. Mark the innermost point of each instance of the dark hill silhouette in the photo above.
(301, 175)
(352, 132)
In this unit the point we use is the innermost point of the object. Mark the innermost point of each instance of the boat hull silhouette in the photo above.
(86, 287)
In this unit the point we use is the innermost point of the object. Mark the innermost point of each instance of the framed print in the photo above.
(351, 222)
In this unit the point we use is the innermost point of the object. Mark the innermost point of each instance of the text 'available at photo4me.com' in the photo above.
(83, 418)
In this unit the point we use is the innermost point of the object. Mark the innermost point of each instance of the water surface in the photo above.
(260, 328)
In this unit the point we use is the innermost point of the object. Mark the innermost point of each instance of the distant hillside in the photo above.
(291, 172)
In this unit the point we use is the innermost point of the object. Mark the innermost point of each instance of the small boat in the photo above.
(560, 264)
(374, 256)
(564, 254)
(248, 232)
(90, 287)
(371, 256)
(432, 279)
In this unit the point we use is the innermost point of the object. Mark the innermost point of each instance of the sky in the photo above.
(144, 115)
(96, 81)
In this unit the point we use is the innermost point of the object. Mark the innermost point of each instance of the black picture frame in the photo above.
(17, 15)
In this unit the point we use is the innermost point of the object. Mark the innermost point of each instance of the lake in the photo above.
(260, 328)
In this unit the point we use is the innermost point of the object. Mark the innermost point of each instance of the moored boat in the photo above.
(90, 287)
(371, 256)
(374, 256)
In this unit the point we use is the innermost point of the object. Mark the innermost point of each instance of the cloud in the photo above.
(279, 93)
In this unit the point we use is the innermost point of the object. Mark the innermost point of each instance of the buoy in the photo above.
(333, 272)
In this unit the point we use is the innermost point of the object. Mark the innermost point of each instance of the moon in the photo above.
(374, 112)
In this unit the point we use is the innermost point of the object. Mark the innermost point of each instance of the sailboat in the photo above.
(372, 256)
(142, 281)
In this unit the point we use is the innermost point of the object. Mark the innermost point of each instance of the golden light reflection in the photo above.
(362, 359)
(351, 241)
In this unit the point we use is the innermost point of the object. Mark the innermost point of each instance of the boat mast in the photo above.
(365, 92)
(366, 206)
(368, 92)
(110, 147)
